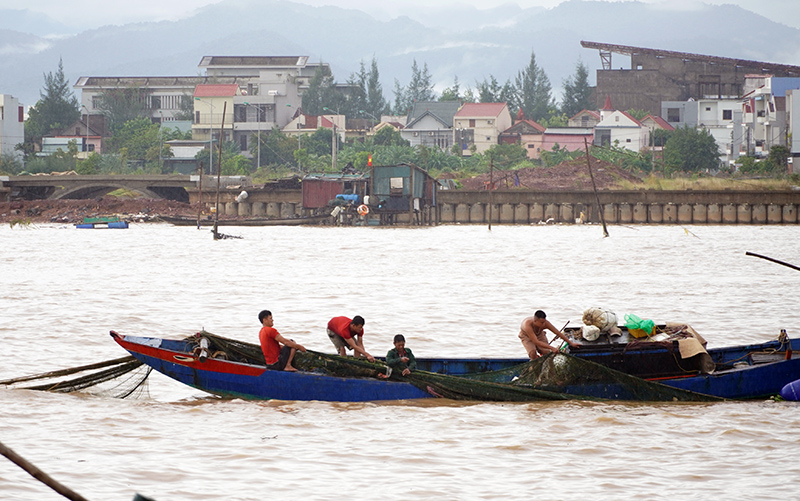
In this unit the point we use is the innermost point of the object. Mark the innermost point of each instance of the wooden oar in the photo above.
(773, 260)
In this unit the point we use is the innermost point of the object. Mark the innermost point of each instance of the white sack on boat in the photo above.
(601, 318)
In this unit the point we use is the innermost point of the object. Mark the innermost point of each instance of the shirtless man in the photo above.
(534, 339)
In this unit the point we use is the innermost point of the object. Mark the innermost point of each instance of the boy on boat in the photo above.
(277, 357)
(346, 334)
(534, 339)
(400, 358)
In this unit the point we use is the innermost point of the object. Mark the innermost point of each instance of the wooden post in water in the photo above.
(594, 186)
(219, 165)
(491, 190)
(200, 209)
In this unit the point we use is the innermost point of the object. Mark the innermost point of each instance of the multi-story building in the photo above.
(661, 75)
(764, 112)
(12, 125)
(484, 122)
(722, 118)
(269, 92)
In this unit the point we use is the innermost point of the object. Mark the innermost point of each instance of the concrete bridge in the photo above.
(54, 187)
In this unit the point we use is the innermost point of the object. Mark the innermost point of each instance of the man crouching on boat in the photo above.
(277, 357)
(534, 339)
(348, 334)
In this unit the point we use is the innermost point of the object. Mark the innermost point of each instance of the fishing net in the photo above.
(556, 376)
(562, 373)
(119, 378)
(472, 387)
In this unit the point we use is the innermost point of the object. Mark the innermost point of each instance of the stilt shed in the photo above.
(403, 189)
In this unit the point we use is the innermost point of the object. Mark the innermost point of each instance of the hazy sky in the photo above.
(94, 13)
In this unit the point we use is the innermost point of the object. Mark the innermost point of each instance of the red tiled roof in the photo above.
(607, 106)
(630, 116)
(480, 110)
(215, 90)
(533, 124)
(660, 121)
(590, 112)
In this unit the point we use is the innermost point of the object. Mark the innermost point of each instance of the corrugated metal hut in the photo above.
(319, 189)
(403, 188)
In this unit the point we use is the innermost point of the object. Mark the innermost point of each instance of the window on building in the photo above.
(155, 102)
(727, 114)
(490, 122)
(472, 122)
(240, 113)
(708, 108)
(77, 131)
(616, 118)
(243, 142)
(395, 186)
(584, 120)
(197, 117)
(628, 140)
(673, 114)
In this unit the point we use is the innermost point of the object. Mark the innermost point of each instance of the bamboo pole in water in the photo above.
(594, 186)
(67, 372)
(219, 166)
(39, 474)
(773, 260)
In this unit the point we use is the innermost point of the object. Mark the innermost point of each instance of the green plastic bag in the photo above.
(638, 327)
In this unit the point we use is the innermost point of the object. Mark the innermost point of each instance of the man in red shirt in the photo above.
(277, 357)
(348, 334)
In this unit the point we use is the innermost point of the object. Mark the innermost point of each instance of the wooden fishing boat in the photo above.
(109, 222)
(743, 372)
(253, 221)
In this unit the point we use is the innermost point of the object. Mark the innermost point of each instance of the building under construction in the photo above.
(660, 75)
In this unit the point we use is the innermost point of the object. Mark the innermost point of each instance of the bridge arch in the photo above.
(90, 191)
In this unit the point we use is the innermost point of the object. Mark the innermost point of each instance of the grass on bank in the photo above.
(712, 183)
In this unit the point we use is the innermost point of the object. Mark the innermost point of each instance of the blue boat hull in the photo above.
(750, 378)
(234, 379)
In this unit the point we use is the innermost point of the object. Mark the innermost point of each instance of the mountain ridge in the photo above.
(345, 37)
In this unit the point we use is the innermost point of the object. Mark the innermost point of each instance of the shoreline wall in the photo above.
(532, 207)
(619, 207)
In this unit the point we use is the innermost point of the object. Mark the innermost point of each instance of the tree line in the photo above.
(530, 90)
(137, 144)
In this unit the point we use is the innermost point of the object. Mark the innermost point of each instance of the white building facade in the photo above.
(12, 125)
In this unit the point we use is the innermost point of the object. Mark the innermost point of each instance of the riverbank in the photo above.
(73, 211)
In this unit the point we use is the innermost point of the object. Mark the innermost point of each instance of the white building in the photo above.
(484, 122)
(12, 125)
(764, 106)
(620, 128)
(430, 123)
(269, 92)
(722, 118)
